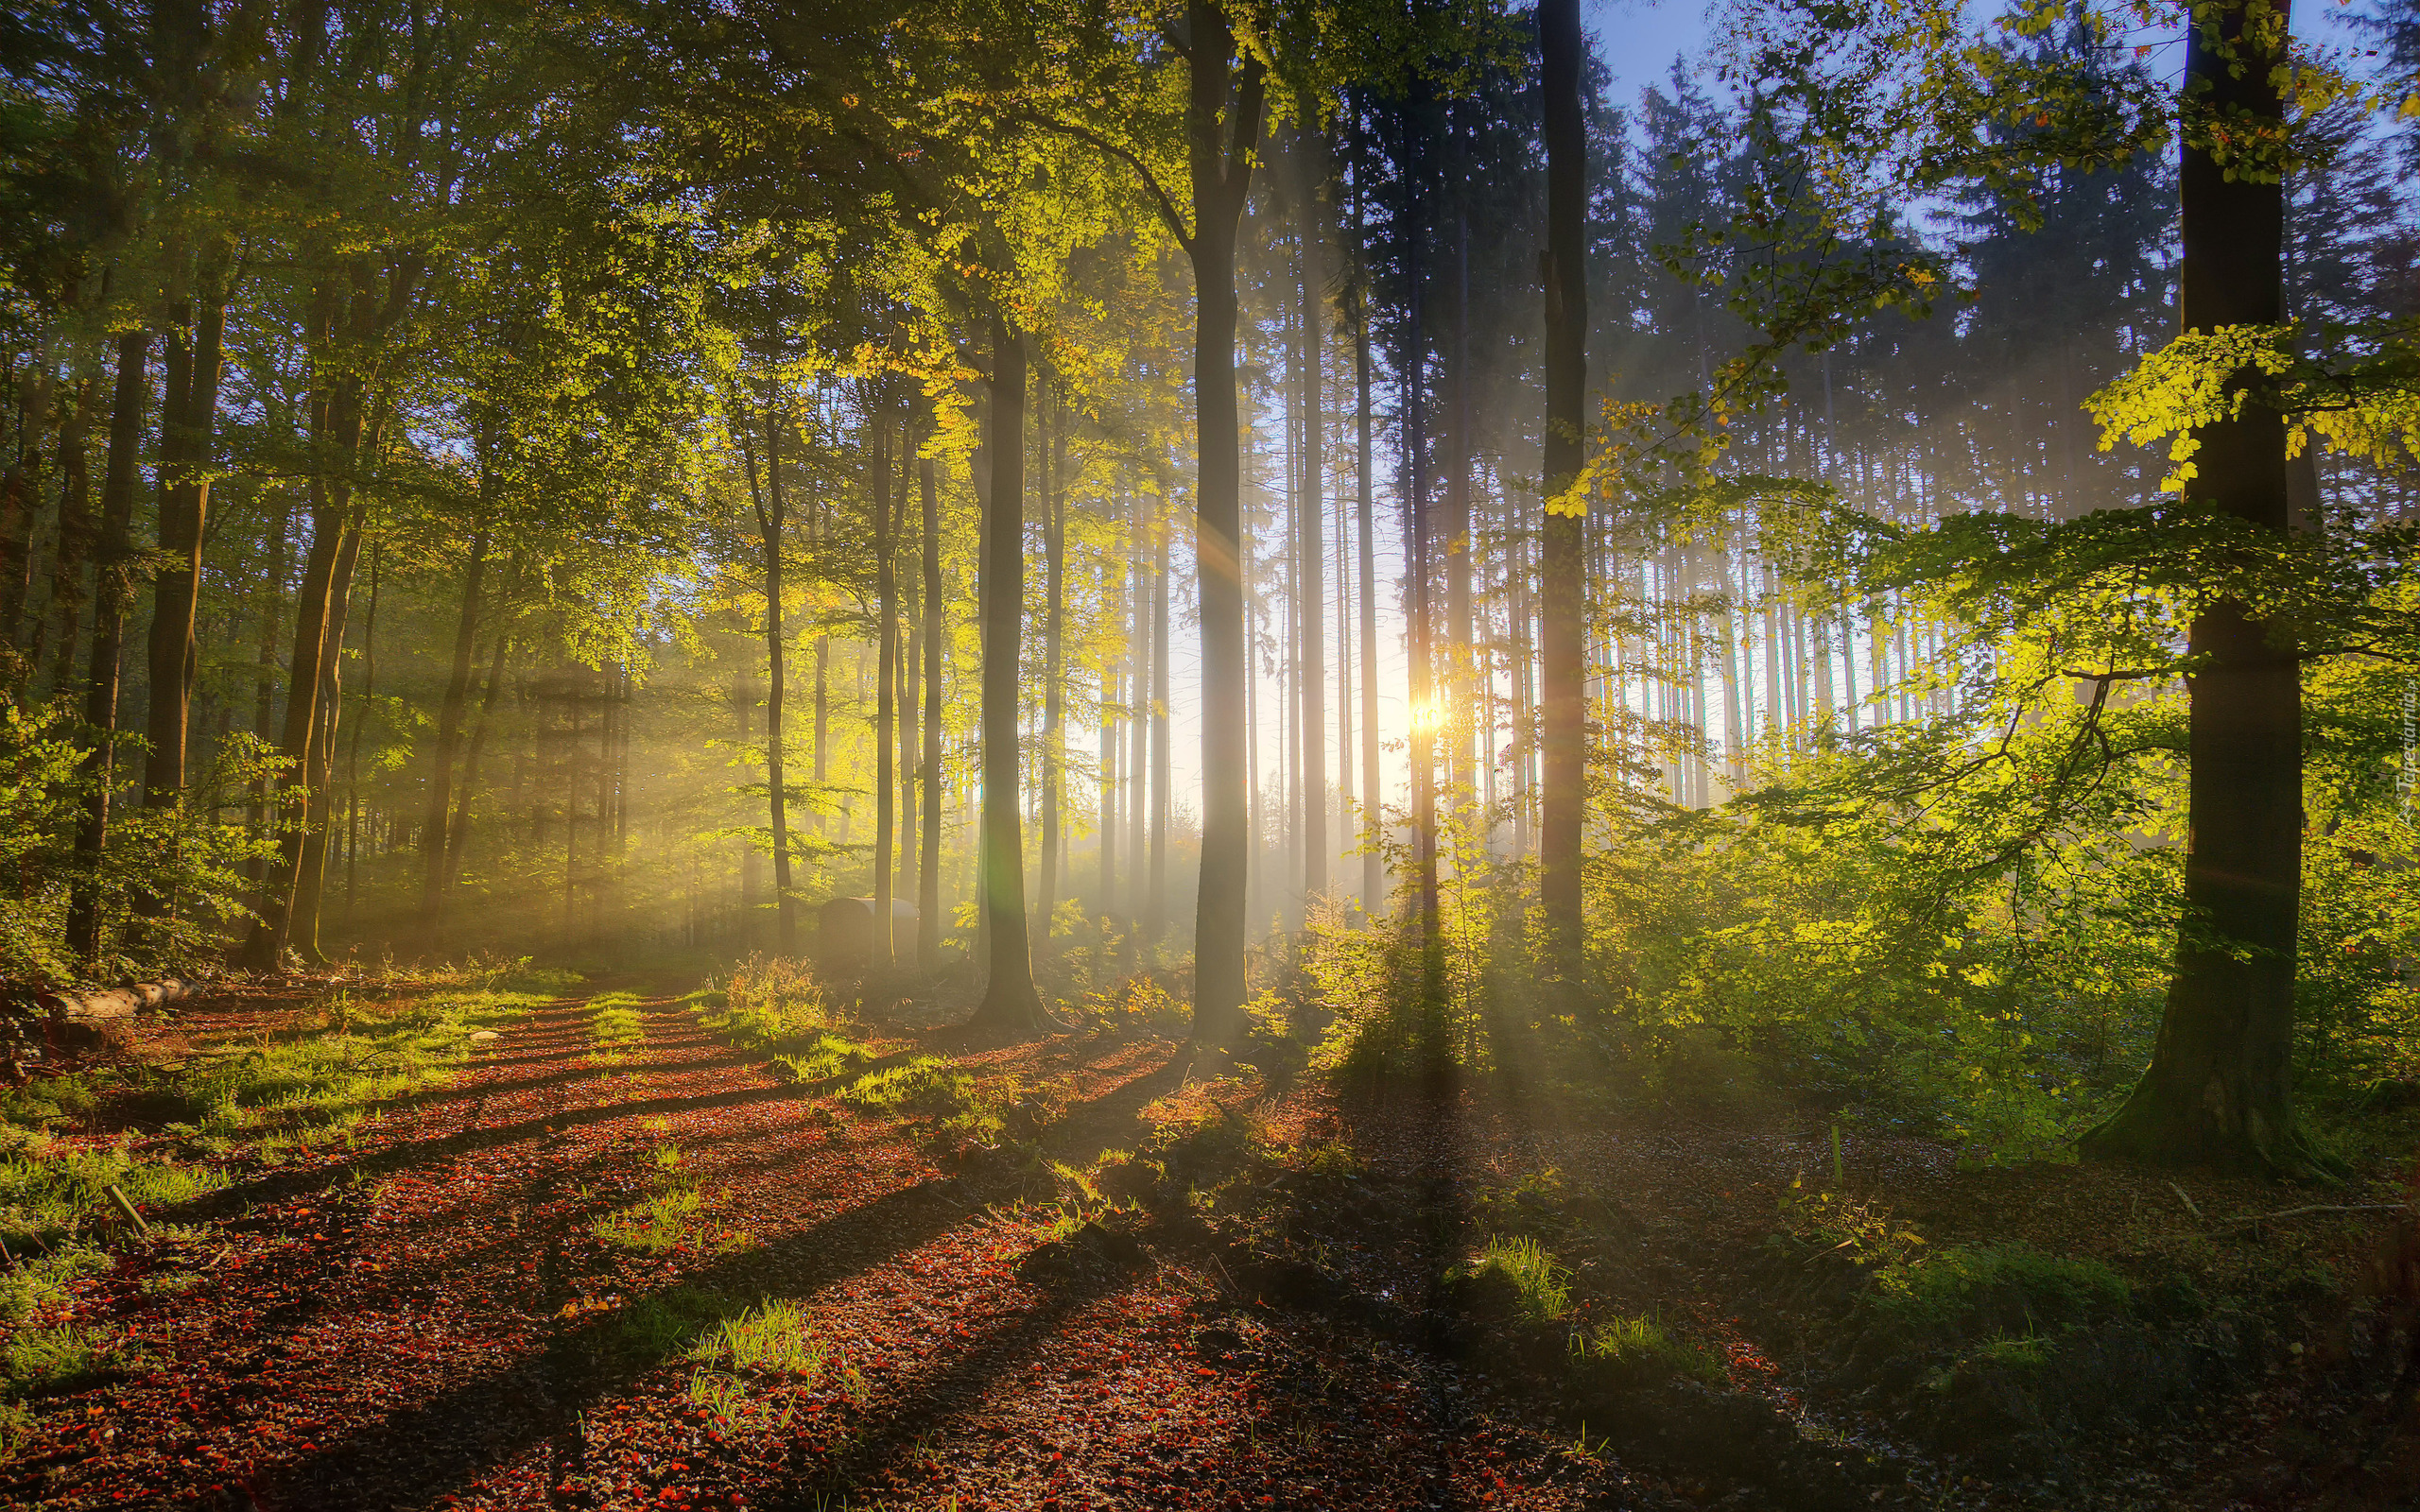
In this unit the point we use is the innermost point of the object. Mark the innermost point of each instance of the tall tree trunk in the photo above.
(21, 494)
(1310, 613)
(2220, 1089)
(1424, 703)
(1155, 918)
(195, 352)
(1053, 451)
(1223, 122)
(458, 830)
(769, 522)
(1563, 694)
(77, 529)
(353, 756)
(265, 673)
(1010, 1000)
(886, 709)
(1459, 666)
(311, 872)
(450, 710)
(114, 594)
(1138, 742)
(929, 881)
(1374, 863)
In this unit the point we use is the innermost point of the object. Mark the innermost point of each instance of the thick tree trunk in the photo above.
(1563, 694)
(449, 714)
(112, 592)
(1223, 128)
(2220, 1089)
(1010, 1000)
(928, 880)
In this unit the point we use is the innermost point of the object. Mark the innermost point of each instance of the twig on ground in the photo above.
(2253, 1219)
(2187, 1201)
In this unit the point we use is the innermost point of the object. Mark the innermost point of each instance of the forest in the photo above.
(1018, 754)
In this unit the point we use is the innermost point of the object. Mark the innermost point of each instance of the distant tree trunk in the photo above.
(2220, 1091)
(77, 529)
(1310, 613)
(1373, 865)
(450, 709)
(1138, 734)
(353, 756)
(1010, 1000)
(1223, 123)
(1561, 606)
(21, 494)
(457, 832)
(1113, 590)
(744, 698)
(1053, 452)
(1155, 922)
(265, 673)
(1459, 666)
(886, 711)
(928, 882)
(113, 592)
(769, 523)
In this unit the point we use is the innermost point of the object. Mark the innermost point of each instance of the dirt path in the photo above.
(435, 1320)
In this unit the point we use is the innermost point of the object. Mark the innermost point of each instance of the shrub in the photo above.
(1968, 1291)
(1638, 1350)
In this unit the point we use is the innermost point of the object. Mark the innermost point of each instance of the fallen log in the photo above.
(117, 1001)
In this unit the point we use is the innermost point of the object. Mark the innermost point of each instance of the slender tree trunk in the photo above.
(1311, 612)
(928, 882)
(2220, 1089)
(449, 711)
(1424, 704)
(886, 709)
(1561, 605)
(1010, 1000)
(1053, 451)
(78, 532)
(113, 592)
(1155, 917)
(1374, 863)
(457, 830)
(1223, 129)
(194, 364)
(353, 756)
(21, 494)
(265, 674)
(1459, 666)
(1138, 743)
(311, 870)
(769, 523)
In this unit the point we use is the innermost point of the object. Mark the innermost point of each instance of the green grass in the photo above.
(46, 1362)
(38, 1282)
(1640, 1350)
(613, 1026)
(1520, 1271)
(830, 1056)
(1968, 1291)
(671, 1218)
(775, 1337)
(315, 1087)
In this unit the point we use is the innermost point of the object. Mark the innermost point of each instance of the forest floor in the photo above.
(612, 1262)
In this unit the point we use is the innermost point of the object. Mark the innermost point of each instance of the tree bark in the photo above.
(929, 881)
(2220, 1089)
(1053, 451)
(1009, 1000)
(886, 709)
(311, 872)
(449, 713)
(1226, 100)
(769, 523)
(78, 532)
(186, 424)
(113, 592)
(1310, 613)
(457, 832)
(1563, 694)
